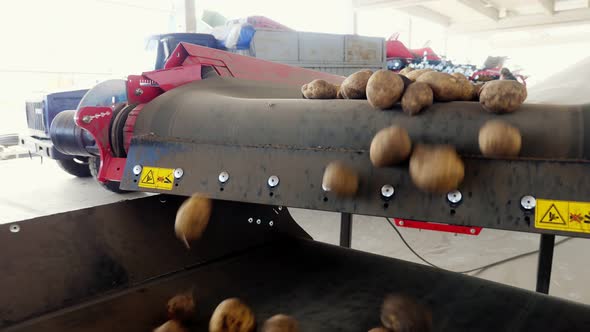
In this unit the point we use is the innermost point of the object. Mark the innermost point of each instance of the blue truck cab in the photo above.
(40, 113)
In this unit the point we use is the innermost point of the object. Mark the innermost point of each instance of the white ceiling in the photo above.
(474, 16)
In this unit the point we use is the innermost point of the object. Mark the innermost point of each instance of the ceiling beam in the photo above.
(478, 7)
(427, 14)
(526, 21)
(371, 4)
(548, 6)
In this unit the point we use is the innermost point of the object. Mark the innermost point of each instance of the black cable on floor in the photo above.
(470, 270)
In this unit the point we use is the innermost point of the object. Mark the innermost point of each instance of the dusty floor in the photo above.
(30, 189)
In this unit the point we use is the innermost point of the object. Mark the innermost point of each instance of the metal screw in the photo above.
(387, 191)
(401, 223)
(472, 231)
(528, 202)
(273, 181)
(178, 55)
(223, 177)
(271, 223)
(178, 173)
(454, 196)
(137, 169)
(86, 119)
(280, 208)
(138, 92)
(258, 221)
(250, 220)
(14, 228)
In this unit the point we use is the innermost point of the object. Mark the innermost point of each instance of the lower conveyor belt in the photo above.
(326, 288)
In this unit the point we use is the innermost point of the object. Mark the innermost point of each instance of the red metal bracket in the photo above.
(433, 226)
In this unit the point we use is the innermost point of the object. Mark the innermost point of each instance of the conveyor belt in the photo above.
(326, 288)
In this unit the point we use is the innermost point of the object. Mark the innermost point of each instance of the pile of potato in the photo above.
(231, 315)
(433, 168)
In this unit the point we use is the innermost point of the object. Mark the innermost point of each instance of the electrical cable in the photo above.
(487, 266)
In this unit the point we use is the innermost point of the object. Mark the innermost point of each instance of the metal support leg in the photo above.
(345, 229)
(545, 262)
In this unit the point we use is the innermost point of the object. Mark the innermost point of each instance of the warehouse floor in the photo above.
(31, 188)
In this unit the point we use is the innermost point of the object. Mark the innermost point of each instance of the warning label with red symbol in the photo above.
(563, 216)
(157, 178)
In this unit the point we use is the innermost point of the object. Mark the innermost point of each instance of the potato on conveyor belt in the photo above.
(281, 323)
(467, 90)
(414, 74)
(181, 307)
(232, 315)
(384, 89)
(390, 146)
(459, 76)
(502, 96)
(192, 218)
(401, 313)
(171, 326)
(355, 85)
(319, 89)
(499, 139)
(339, 94)
(477, 90)
(436, 168)
(444, 86)
(417, 97)
(340, 179)
(406, 70)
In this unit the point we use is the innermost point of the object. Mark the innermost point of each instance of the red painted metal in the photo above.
(433, 226)
(130, 125)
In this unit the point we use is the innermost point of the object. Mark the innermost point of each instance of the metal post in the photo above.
(190, 19)
(345, 229)
(545, 261)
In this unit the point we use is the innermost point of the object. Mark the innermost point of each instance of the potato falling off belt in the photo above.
(340, 179)
(232, 315)
(499, 139)
(192, 218)
(400, 313)
(390, 146)
(181, 307)
(355, 85)
(436, 168)
(281, 323)
(384, 89)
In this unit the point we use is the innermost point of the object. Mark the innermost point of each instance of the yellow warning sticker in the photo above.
(563, 216)
(157, 178)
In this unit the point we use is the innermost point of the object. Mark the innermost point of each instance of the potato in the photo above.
(436, 168)
(171, 326)
(339, 94)
(192, 218)
(444, 86)
(390, 146)
(319, 89)
(414, 74)
(467, 90)
(405, 70)
(417, 97)
(477, 90)
(502, 96)
(340, 179)
(355, 85)
(181, 307)
(499, 139)
(281, 323)
(379, 329)
(384, 89)
(401, 313)
(232, 315)
(459, 76)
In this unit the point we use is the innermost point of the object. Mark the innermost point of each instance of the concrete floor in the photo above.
(31, 188)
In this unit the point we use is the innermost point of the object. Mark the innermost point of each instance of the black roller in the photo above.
(68, 138)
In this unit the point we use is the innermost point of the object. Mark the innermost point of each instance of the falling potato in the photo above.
(384, 89)
(192, 218)
(417, 97)
(281, 323)
(355, 85)
(436, 168)
(402, 313)
(232, 315)
(319, 89)
(182, 307)
(340, 179)
(390, 146)
(499, 139)
(171, 326)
